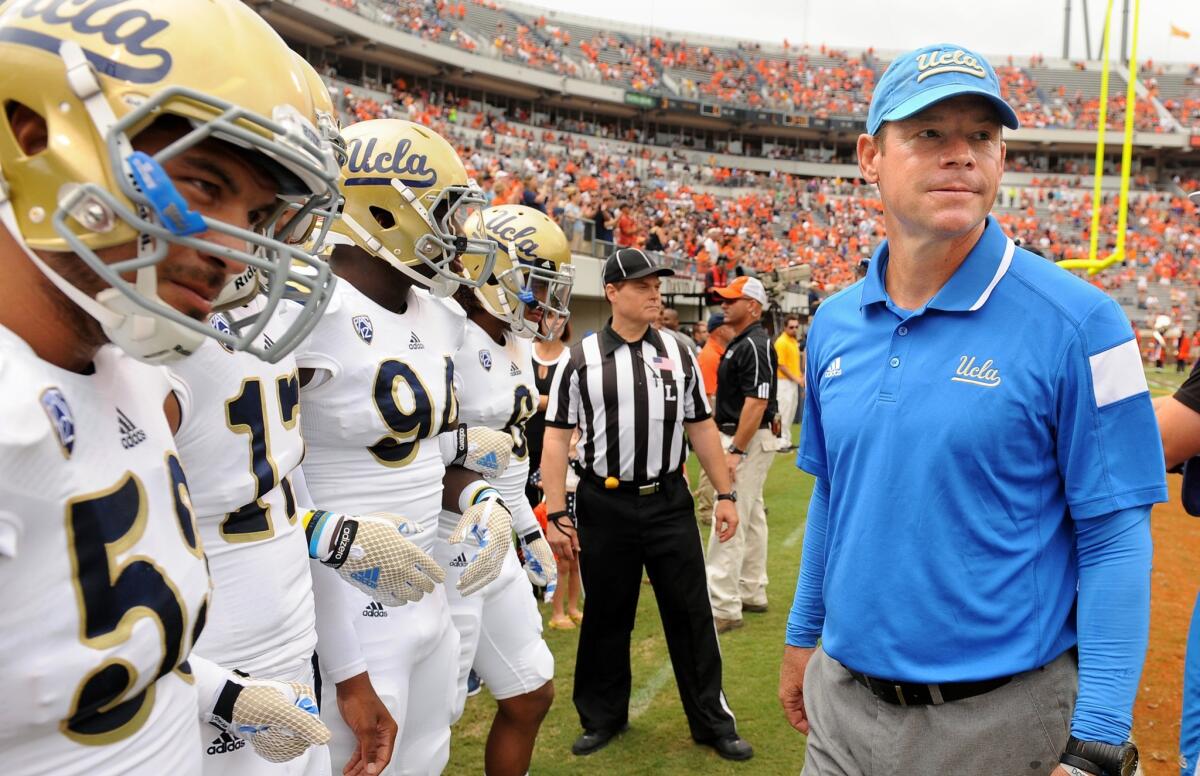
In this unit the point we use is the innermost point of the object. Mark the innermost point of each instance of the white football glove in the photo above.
(279, 719)
(540, 566)
(373, 554)
(478, 448)
(488, 526)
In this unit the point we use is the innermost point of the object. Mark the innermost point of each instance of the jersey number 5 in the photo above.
(113, 596)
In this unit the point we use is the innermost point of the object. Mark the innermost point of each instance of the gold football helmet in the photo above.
(98, 75)
(407, 200)
(531, 283)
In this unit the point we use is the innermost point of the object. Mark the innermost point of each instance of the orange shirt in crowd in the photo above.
(710, 360)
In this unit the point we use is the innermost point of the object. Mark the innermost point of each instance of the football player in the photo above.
(137, 174)
(376, 381)
(500, 627)
(239, 441)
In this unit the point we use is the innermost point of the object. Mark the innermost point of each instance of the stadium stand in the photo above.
(700, 194)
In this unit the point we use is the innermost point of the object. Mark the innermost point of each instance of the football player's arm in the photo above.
(486, 524)
(279, 719)
(371, 552)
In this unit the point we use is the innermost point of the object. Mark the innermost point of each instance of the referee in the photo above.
(633, 392)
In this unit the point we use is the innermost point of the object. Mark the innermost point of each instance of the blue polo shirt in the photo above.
(959, 442)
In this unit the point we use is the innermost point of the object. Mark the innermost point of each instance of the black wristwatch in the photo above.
(737, 451)
(1101, 759)
(730, 496)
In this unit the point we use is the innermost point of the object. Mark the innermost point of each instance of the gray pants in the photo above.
(1019, 729)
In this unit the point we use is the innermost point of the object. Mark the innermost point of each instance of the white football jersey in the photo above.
(383, 393)
(495, 388)
(105, 578)
(239, 441)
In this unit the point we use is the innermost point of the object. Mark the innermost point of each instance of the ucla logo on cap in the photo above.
(61, 419)
(485, 359)
(958, 61)
(130, 28)
(362, 325)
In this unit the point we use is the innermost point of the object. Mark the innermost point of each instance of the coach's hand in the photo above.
(725, 520)
(791, 685)
(368, 718)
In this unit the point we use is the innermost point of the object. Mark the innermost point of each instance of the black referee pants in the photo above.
(619, 533)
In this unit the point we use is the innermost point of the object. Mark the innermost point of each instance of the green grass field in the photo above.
(658, 740)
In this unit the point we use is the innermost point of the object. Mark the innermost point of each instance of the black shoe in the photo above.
(731, 747)
(754, 608)
(595, 740)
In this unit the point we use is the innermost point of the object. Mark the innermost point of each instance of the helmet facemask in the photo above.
(537, 286)
(132, 314)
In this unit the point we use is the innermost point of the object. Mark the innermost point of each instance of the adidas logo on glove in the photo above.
(460, 561)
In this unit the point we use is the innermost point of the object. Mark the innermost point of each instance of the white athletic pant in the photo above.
(500, 629)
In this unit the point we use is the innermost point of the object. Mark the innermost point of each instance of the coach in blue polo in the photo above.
(976, 565)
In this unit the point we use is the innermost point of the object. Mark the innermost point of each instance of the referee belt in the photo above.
(913, 694)
(647, 488)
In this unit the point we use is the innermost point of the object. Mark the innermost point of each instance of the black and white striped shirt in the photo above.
(630, 401)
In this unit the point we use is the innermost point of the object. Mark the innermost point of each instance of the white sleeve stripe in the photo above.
(754, 350)
(1117, 374)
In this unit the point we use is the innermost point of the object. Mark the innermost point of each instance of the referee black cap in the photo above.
(631, 263)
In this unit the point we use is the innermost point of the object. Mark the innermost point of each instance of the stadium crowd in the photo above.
(707, 213)
(819, 81)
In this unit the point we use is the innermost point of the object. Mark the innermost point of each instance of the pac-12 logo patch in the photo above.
(485, 359)
(362, 325)
(61, 419)
(219, 323)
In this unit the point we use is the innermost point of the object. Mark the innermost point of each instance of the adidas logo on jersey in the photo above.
(414, 342)
(225, 743)
(131, 435)
(514, 370)
(835, 368)
(375, 609)
(460, 561)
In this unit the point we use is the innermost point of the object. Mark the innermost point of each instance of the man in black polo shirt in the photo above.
(633, 393)
(746, 404)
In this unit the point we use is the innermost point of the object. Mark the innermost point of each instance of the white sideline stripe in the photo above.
(795, 536)
(645, 694)
(1117, 374)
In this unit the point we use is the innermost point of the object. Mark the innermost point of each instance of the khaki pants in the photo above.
(705, 496)
(737, 569)
(1020, 728)
(789, 397)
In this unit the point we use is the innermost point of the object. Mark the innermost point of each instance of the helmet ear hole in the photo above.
(28, 127)
(383, 217)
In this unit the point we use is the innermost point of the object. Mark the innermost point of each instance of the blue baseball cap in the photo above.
(930, 74)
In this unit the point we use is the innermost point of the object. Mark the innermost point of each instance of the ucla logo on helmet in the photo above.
(61, 419)
(399, 162)
(485, 359)
(362, 325)
(502, 229)
(130, 28)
